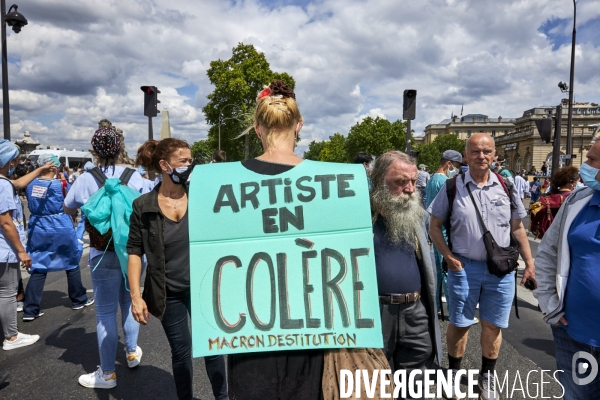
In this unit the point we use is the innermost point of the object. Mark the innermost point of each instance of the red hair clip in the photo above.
(265, 92)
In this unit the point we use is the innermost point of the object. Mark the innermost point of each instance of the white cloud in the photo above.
(76, 63)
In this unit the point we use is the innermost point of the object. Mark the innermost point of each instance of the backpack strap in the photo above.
(98, 175)
(11, 184)
(451, 194)
(507, 185)
(126, 176)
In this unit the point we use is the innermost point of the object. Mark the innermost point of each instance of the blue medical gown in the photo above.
(51, 239)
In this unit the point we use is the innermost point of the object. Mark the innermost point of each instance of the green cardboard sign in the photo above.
(281, 262)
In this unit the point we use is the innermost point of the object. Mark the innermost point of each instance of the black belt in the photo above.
(400, 298)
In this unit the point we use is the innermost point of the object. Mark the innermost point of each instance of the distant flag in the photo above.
(461, 109)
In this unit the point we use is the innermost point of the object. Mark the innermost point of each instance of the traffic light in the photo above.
(544, 127)
(410, 104)
(150, 100)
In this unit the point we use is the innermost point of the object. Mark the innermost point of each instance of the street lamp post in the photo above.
(569, 149)
(17, 21)
(221, 120)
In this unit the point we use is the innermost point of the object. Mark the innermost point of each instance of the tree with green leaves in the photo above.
(237, 82)
(334, 150)
(430, 154)
(314, 150)
(203, 150)
(376, 136)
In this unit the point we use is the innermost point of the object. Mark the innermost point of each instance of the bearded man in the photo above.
(403, 259)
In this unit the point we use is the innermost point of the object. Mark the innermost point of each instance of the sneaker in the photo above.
(487, 387)
(98, 380)
(28, 318)
(133, 360)
(88, 303)
(22, 340)
(452, 395)
(475, 321)
(20, 306)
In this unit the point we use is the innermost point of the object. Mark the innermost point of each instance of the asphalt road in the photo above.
(68, 348)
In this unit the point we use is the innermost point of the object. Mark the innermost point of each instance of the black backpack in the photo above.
(97, 240)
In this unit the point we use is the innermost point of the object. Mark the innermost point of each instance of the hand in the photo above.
(139, 310)
(529, 273)
(46, 167)
(454, 264)
(24, 259)
(562, 321)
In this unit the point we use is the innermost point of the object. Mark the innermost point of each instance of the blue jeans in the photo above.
(35, 290)
(566, 347)
(110, 292)
(442, 278)
(175, 322)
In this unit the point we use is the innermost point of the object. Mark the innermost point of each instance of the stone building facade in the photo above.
(465, 126)
(523, 148)
(518, 140)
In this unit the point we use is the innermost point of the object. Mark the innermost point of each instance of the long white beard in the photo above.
(403, 214)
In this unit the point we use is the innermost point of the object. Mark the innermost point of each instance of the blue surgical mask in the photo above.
(588, 175)
(579, 185)
(494, 165)
(452, 172)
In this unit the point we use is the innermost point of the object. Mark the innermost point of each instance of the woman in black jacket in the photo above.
(159, 229)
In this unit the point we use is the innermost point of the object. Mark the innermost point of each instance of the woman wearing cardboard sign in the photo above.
(159, 229)
(279, 374)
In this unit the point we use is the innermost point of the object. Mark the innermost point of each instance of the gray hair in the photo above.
(383, 163)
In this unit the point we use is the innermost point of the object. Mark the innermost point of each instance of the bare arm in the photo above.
(138, 305)
(70, 211)
(435, 232)
(25, 180)
(517, 228)
(9, 230)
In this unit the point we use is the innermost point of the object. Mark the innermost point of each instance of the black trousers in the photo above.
(406, 338)
(175, 322)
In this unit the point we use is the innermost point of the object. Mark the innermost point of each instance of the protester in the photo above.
(568, 280)
(107, 278)
(12, 249)
(29, 165)
(422, 180)
(279, 374)
(164, 212)
(544, 169)
(219, 156)
(563, 182)
(73, 175)
(450, 166)
(364, 158)
(51, 242)
(521, 185)
(405, 274)
(535, 189)
(88, 166)
(148, 184)
(469, 280)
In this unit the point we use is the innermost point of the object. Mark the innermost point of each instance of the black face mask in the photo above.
(180, 175)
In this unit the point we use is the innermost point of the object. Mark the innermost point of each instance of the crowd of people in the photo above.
(431, 236)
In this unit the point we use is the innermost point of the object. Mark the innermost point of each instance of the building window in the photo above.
(593, 110)
(468, 134)
(493, 133)
(518, 164)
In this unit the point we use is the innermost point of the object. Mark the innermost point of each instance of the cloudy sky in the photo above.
(79, 61)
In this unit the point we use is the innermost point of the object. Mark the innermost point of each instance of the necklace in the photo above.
(171, 204)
